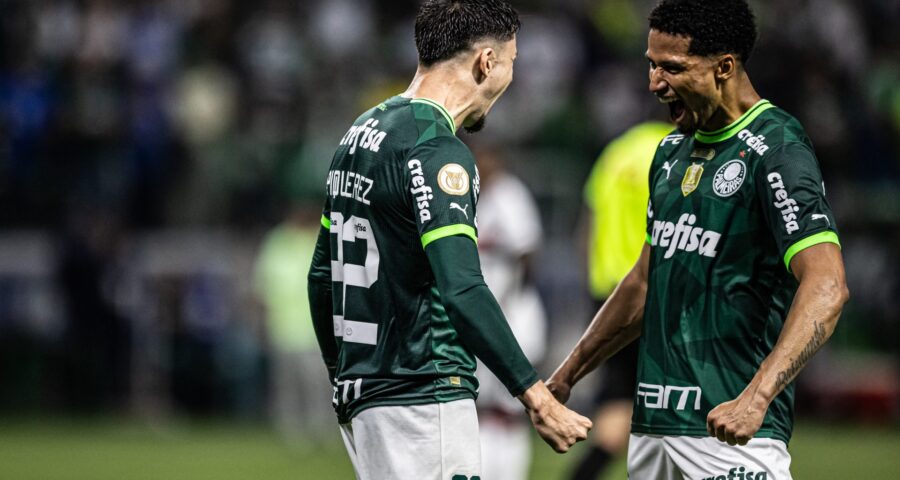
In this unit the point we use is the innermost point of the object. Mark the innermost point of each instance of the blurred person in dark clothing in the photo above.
(97, 338)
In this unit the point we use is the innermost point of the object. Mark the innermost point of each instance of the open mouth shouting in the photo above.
(677, 110)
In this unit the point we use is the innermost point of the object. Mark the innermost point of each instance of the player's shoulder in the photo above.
(773, 130)
(432, 122)
(383, 129)
(442, 148)
(669, 145)
(428, 129)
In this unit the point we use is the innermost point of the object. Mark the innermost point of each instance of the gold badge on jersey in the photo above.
(691, 179)
(453, 179)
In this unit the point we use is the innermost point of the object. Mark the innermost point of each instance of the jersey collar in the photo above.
(439, 108)
(736, 126)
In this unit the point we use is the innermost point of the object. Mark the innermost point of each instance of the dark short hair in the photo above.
(714, 26)
(447, 27)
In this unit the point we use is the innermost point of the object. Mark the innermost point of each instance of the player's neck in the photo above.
(737, 98)
(445, 86)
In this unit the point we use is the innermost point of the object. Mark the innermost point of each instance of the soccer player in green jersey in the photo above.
(399, 305)
(740, 280)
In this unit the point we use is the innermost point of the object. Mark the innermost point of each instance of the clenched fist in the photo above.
(557, 425)
(735, 421)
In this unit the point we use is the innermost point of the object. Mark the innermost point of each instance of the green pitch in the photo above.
(106, 450)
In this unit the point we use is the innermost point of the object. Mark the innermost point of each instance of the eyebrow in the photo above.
(665, 63)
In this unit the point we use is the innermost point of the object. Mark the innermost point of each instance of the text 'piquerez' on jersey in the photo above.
(728, 211)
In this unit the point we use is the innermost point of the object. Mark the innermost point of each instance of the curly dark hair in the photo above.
(447, 27)
(714, 26)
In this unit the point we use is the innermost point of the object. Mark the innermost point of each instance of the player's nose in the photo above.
(657, 85)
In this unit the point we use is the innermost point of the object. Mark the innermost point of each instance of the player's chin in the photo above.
(477, 125)
(686, 124)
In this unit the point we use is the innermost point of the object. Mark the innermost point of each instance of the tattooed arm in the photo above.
(810, 322)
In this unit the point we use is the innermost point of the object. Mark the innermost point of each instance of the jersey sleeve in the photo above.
(320, 296)
(442, 189)
(790, 188)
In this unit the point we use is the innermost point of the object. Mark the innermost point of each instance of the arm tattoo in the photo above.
(818, 338)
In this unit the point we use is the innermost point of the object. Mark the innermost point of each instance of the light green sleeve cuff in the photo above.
(326, 222)
(822, 237)
(449, 231)
(649, 240)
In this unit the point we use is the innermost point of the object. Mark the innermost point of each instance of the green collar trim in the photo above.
(440, 108)
(736, 126)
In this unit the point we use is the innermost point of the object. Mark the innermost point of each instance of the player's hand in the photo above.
(561, 390)
(735, 421)
(560, 427)
(557, 425)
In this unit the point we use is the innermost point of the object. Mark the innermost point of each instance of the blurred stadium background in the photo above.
(149, 147)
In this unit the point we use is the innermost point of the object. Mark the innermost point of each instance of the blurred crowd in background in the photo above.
(162, 165)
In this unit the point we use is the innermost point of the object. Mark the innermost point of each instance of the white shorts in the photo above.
(435, 441)
(655, 457)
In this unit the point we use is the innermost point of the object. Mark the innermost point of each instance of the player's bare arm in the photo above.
(810, 322)
(614, 326)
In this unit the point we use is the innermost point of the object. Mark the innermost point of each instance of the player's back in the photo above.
(391, 188)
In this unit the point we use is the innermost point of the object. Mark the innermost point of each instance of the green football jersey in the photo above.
(399, 180)
(727, 212)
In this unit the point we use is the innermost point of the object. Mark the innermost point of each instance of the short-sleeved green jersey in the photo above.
(728, 210)
(399, 180)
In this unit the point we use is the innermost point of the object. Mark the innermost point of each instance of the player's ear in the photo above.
(487, 58)
(726, 67)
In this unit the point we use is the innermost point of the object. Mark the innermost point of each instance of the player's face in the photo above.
(495, 83)
(684, 82)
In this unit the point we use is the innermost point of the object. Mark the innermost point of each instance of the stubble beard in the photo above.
(477, 126)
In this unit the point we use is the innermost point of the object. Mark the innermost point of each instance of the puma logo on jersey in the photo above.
(461, 209)
(786, 205)
(819, 216)
(740, 473)
(365, 136)
(668, 168)
(684, 236)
